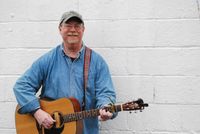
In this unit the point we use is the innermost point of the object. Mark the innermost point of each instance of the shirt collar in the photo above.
(79, 53)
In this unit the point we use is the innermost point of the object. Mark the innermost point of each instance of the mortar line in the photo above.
(198, 8)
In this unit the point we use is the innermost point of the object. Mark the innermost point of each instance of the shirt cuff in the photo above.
(29, 107)
(33, 112)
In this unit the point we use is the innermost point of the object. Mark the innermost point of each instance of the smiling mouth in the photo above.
(72, 34)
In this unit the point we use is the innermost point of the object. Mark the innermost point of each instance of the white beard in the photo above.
(73, 41)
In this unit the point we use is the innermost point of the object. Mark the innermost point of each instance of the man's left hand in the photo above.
(104, 115)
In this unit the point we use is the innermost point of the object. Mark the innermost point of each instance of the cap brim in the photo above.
(74, 18)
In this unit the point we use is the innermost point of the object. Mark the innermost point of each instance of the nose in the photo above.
(72, 28)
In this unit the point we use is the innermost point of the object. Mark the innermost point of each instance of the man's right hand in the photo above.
(44, 119)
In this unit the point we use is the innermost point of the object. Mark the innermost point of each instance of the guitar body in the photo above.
(26, 123)
(68, 116)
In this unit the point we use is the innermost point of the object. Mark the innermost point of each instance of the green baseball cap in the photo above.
(70, 14)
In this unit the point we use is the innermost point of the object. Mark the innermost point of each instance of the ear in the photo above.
(59, 27)
(83, 28)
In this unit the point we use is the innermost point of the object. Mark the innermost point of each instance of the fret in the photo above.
(73, 117)
(93, 114)
(80, 115)
(118, 108)
(89, 113)
(83, 114)
(76, 117)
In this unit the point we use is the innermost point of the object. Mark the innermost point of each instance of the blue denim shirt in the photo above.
(59, 77)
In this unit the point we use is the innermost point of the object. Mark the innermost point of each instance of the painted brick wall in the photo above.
(152, 48)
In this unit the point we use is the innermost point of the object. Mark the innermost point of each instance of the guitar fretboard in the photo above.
(90, 113)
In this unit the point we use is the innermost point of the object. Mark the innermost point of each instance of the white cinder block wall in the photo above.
(151, 46)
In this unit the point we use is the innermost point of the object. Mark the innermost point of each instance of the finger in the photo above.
(105, 113)
(51, 119)
(47, 125)
(102, 111)
(109, 114)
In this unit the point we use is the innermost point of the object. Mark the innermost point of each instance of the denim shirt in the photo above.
(59, 76)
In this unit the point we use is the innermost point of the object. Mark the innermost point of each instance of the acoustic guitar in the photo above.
(68, 116)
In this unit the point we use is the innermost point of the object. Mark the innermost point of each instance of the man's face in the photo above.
(72, 32)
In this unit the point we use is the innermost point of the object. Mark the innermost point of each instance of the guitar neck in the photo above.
(89, 113)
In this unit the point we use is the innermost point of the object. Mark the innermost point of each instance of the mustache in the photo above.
(72, 34)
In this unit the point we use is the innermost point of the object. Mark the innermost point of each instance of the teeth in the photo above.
(71, 34)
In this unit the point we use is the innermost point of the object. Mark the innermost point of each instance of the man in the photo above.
(60, 74)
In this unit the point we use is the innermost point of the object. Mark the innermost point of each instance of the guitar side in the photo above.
(26, 123)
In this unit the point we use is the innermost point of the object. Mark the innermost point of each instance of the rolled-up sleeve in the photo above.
(105, 92)
(27, 86)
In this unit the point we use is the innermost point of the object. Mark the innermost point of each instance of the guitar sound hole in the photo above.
(54, 130)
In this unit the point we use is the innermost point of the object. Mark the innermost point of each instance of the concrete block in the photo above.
(7, 113)
(177, 33)
(177, 90)
(119, 9)
(48, 11)
(163, 61)
(130, 88)
(115, 59)
(120, 33)
(166, 118)
(16, 61)
(29, 35)
(7, 131)
(117, 124)
(13, 10)
(6, 86)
